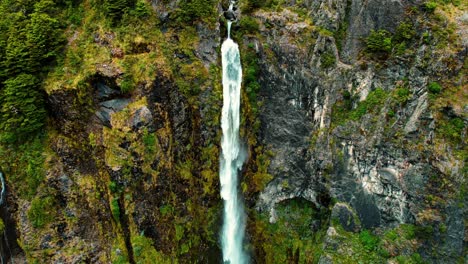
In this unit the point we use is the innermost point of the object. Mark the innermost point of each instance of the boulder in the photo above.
(346, 217)
(108, 108)
(104, 92)
(141, 118)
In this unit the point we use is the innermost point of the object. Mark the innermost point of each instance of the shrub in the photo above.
(250, 5)
(250, 77)
(195, 9)
(379, 41)
(401, 95)
(115, 9)
(373, 101)
(430, 6)
(327, 60)
(434, 87)
(404, 32)
(141, 10)
(451, 129)
(248, 24)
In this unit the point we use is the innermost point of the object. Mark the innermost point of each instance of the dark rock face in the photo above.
(357, 163)
(108, 108)
(365, 16)
(104, 92)
(230, 15)
(347, 218)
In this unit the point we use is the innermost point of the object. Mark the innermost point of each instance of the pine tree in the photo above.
(22, 110)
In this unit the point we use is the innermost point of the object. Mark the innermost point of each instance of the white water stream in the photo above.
(233, 155)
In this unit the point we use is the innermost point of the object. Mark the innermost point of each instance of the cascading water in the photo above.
(233, 155)
(2, 193)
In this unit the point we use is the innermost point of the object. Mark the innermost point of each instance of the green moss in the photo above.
(364, 247)
(413, 259)
(115, 209)
(371, 105)
(144, 251)
(41, 211)
(291, 236)
(368, 240)
(2, 226)
(451, 128)
(251, 71)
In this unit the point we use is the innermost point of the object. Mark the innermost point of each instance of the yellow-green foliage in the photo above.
(261, 177)
(291, 236)
(2, 226)
(132, 49)
(24, 165)
(144, 143)
(145, 253)
(119, 253)
(41, 213)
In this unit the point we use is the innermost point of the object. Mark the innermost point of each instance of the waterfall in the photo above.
(2, 193)
(233, 155)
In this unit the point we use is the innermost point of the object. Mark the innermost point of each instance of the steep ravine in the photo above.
(355, 137)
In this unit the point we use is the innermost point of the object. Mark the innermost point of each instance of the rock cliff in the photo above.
(354, 114)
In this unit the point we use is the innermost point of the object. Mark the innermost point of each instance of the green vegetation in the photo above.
(22, 108)
(25, 165)
(379, 41)
(144, 251)
(29, 41)
(192, 10)
(115, 209)
(342, 111)
(430, 6)
(434, 88)
(115, 9)
(39, 213)
(251, 73)
(290, 237)
(328, 60)
(248, 25)
(382, 43)
(401, 95)
(369, 241)
(451, 129)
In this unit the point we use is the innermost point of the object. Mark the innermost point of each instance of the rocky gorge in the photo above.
(354, 117)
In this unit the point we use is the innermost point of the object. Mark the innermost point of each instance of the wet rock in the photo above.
(104, 92)
(108, 108)
(116, 104)
(230, 15)
(208, 45)
(346, 217)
